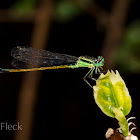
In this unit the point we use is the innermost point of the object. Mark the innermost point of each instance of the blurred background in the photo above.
(58, 103)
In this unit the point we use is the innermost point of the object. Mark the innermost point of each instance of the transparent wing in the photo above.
(24, 55)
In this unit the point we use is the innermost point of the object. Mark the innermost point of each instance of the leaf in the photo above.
(112, 97)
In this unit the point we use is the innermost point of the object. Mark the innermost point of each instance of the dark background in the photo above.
(65, 103)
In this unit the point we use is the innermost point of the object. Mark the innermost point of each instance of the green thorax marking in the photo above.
(90, 62)
(83, 62)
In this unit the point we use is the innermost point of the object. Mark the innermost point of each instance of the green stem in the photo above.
(124, 128)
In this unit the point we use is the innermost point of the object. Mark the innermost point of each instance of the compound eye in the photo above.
(100, 57)
(96, 61)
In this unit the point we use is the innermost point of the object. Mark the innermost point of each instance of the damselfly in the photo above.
(42, 60)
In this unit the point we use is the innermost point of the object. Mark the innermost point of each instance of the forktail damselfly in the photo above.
(42, 60)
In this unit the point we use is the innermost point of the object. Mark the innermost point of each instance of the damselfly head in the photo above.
(99, 61)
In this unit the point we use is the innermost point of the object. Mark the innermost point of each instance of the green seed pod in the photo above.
(112, 97)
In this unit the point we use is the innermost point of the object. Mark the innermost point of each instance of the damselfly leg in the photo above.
(89, 75)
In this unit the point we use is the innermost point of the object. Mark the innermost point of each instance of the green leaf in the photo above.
(112, 97)
(66, 10)
(24, 6)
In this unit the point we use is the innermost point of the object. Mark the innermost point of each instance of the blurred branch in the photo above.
(42, 24)
(13, 16)
(95, 11)
(99, 14)
(114, 30)
(28, 93)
